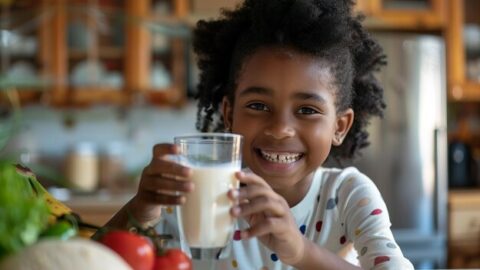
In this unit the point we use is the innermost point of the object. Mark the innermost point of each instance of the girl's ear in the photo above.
(343, 125)
(227, 112)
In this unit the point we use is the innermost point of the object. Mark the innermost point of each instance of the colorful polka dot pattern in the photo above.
(363, 202)
(331, 203)
(237, 235)
(318, 226)
(343, 239)
(371, 253)
(391, 245)
(303, 228)
(274, 257)
(381, 259)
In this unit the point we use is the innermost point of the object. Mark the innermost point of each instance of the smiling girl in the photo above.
(295, 78)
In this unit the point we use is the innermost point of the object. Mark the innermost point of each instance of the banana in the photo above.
(57, 208)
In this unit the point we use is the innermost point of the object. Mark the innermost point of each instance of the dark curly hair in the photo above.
(322, 28)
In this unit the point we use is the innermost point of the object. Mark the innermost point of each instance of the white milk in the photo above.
(205, 215)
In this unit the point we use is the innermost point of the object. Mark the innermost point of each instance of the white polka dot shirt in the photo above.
(343, 212)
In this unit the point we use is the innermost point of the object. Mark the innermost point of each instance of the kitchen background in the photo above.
(89, 86)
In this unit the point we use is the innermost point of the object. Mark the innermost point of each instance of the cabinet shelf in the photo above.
(403, 15)
(472, 139)
(165, 96)
(104, 53)
(405, 20)
(80, 96)
(469, 91)
(25, 96)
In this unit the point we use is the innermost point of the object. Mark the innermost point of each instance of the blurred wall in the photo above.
(50, 133)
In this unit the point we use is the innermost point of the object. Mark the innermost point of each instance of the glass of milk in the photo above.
(205, 221)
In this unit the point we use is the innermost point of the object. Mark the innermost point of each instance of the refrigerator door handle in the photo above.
(440, 185)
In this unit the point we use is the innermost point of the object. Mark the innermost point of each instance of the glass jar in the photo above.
(82, 167)
(112, 173)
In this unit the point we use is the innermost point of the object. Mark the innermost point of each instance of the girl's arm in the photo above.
(318, 258)
(162, 183)
(121, 219)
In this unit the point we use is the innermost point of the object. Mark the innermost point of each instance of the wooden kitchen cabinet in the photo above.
(464, 229)
(140, 19)
(29, 56)
(414, 15)
(100, 52)
(463, 57)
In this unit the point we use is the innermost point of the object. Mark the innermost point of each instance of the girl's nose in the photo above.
(280, 128)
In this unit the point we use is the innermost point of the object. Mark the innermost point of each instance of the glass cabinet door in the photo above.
(417, 15)
(26, 59)
(166, 79)
(408, 4)
(95, 37)
(463, 44)
(471, 37)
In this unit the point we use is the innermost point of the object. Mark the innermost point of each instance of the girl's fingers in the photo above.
(252, 191)
(163, 149)
(267, 226)
(268, 205)
(161, 164)
(159, 184)
(164, 166)
(163, 199)
(251, 179)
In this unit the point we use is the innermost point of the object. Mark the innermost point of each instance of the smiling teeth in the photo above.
(281, 157)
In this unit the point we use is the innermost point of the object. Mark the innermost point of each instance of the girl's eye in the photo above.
(257, 106)
(307, 110)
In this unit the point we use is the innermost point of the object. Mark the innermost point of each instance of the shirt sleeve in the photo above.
(367, 224)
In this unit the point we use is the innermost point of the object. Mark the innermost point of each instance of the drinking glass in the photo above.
(205, 221)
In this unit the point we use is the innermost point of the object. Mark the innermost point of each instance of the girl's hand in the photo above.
(269, 217)
(163, 182)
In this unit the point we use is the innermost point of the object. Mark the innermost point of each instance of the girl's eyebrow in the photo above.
(309, 96)
(269, 92)
(256, 90)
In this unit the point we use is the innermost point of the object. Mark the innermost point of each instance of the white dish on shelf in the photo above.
(471, 33)
(87, 73)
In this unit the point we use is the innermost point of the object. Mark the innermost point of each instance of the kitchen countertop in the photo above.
(94, 207)
(92, 199)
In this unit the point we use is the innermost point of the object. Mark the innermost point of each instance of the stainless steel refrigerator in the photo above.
(407, 157)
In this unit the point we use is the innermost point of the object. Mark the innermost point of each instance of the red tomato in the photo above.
(173, 259)
(135, 249)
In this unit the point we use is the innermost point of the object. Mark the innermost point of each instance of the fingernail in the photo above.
(189, 186)
(183, 199)
(234, 193)
(236, 210)
(186, 171)
(174, 148)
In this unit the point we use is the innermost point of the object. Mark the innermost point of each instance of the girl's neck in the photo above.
(295, 194)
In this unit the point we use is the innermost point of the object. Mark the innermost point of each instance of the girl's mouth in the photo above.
(280, 157)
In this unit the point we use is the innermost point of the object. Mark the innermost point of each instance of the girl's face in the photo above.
(285, 109)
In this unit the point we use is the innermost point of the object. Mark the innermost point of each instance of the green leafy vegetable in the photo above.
(23, 216)
(61, 230)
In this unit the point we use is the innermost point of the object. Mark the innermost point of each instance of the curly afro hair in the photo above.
(322, 28)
